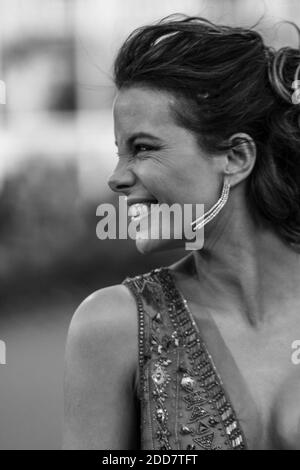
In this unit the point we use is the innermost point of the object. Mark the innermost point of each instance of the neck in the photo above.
(246, 266)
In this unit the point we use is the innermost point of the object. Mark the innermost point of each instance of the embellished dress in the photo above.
(184, 403)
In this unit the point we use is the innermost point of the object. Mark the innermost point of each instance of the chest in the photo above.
(265, 359)
(264, 354)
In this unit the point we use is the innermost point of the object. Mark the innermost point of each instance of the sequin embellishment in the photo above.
(183, 401)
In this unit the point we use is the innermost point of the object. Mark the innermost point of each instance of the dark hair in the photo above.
(226, 80)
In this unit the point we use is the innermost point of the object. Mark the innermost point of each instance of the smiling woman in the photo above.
(197, 355)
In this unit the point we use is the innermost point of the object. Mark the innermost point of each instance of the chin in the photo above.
(153, 233)
(146, 245)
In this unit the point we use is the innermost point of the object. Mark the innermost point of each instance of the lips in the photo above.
(135, 200)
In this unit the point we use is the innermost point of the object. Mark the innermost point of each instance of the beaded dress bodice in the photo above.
(183, 401)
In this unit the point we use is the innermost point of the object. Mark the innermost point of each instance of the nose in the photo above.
(121, 180)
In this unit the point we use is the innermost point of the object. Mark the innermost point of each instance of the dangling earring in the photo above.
(214, 210)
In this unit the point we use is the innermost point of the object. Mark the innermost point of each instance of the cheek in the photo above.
(157, 179)
(155, 182)
(150, 171)
(181, 177)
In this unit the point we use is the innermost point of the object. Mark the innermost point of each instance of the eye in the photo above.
(142, 148)
(138, 149)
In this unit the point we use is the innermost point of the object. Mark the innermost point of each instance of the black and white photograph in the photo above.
(149, 227)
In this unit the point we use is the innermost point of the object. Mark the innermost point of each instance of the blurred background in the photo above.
(56, 154)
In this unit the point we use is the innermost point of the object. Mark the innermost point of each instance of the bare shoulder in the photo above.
(101, 360)
(105, 326)
(110, 309)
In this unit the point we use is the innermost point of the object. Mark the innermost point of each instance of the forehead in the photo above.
(142, 110)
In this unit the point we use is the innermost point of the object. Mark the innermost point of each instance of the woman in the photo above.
(198, 355)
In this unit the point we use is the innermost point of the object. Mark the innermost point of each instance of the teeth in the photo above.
(133, 211)
(139, 209)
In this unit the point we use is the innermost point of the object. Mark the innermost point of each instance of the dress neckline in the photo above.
(169, 276)
(193, 321)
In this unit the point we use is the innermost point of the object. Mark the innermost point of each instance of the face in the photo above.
(157, 159)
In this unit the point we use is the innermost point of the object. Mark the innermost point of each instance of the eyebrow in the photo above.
(143, 135)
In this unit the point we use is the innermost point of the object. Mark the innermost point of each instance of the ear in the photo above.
(240, 158)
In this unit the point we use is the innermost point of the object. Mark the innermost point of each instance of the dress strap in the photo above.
(132, 285)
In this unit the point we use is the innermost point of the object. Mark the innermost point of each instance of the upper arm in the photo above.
(100, 409)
